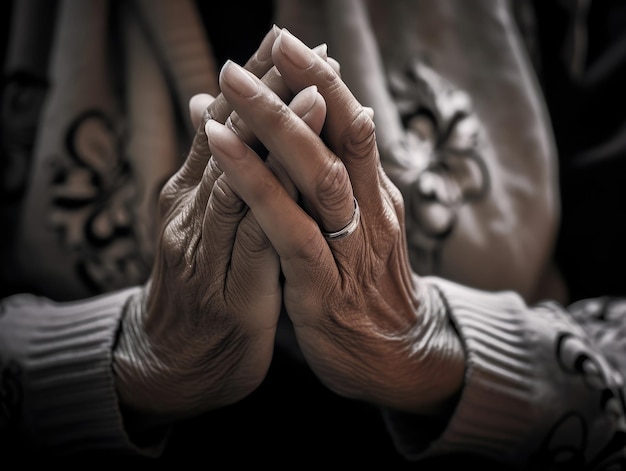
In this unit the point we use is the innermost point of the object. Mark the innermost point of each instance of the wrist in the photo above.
(424, 365)
(438, 344)
(130, 351)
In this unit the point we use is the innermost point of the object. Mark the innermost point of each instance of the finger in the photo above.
(335, 65)
(197, 105)
(360, 55)
(274, 81)
(225, 209)
(260, 63)
(193, 169)
(318, 174)
(253, 274)
(253, 256)
(292, 232)
(349, 129)
(311, 107)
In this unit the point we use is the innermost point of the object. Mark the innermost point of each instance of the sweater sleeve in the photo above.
(543, 385)
(56, 382)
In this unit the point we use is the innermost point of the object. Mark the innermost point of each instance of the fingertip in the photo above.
(264, 52)
(316, 115)
(210, 125)
(197, 106)
(304, 100)
(310, 106)
(224, 144)
(214, 131)
(294, 50)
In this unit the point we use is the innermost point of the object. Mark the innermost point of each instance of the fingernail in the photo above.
(295, 49)
(221, 140)
(239, 79)
(304, 101)
(264, 52)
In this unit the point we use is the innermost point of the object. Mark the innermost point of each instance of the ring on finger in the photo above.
(348, 228)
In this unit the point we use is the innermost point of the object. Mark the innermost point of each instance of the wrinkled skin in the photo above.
(461, 128)
(201, 333)
(366, 324)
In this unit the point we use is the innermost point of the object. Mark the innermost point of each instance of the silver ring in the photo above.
(348, 228)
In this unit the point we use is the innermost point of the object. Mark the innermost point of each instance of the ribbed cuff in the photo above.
(63, 354)
(495, 413)
(493, 417)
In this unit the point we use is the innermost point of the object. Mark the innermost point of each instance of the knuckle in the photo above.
(170, 193)
(359, 137)
(179, 245)
(282, 119)
(327, 79)
(333, 184)
(196, 161)
(394, 194)
(278, 114)
(252, 238)
(224, 205)
(309, 250)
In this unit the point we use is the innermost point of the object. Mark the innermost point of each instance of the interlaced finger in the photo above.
(317, 173)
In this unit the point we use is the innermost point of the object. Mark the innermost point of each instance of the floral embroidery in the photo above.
(93, 196)
(568, 441)
(446, 169)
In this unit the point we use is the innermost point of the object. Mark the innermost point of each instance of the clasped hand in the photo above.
(279, 159)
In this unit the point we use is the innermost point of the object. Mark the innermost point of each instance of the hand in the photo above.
(462, 132)
(366, 324)
(201, 335)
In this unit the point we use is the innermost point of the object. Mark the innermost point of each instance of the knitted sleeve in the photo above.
(543, 384)
(56, 383)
